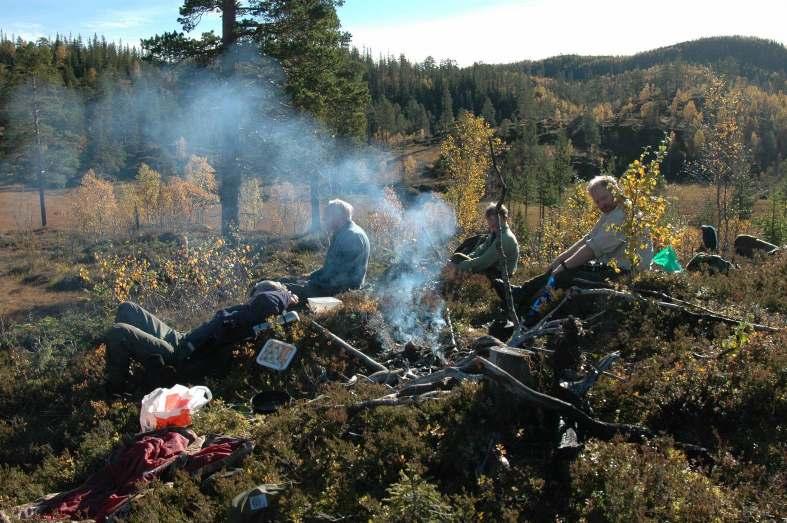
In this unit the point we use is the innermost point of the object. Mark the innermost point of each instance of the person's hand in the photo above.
(293, 298)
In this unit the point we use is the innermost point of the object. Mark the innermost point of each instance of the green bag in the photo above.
(667, 259)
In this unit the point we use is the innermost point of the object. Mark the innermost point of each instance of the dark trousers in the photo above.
(140, 335)
(587, 275)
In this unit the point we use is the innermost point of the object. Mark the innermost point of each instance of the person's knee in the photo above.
(116, 333)
(124, 310)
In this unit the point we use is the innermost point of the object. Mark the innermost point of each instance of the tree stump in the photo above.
(516, 362)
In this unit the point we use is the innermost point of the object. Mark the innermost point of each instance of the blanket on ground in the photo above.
(106, 493)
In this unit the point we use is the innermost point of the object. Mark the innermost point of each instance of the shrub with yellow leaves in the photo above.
(95, 209)
(645, 205)
(193, 277)
(566, 224)
(466, 156)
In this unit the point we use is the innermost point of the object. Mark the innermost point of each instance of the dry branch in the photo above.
(366, 360)
(685, 309)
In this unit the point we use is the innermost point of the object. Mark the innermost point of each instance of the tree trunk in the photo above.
(315, 202)
(228, 16)
(229, 193)
(39, 155)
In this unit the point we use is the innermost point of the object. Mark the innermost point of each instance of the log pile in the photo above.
(413, 378)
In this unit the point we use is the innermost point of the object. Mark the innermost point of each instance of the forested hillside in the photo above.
(608, 107)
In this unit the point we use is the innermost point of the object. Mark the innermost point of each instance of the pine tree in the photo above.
(42, 139)
(305, 37)
(488, 112)
(446, 110)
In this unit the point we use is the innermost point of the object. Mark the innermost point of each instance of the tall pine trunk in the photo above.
(229, 192)
(314, 187)
(39, 162)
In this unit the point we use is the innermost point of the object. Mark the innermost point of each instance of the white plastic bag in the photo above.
(171, 407)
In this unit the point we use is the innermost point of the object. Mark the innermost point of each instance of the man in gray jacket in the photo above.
(346, 260)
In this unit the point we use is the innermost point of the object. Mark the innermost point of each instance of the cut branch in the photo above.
(366, 360)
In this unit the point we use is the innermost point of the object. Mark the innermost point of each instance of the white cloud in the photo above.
(117, 19)
(542, 28)
(25, 31)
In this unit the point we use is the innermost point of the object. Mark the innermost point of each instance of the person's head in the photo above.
(270, 285)
(267, 285)
(337, 214)
(491, 216)
(602, 190)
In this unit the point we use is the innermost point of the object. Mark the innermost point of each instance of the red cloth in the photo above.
(138, 463)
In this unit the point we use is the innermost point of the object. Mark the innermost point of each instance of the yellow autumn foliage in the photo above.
(466, 156)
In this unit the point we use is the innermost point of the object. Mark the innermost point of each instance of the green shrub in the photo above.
(626, 482)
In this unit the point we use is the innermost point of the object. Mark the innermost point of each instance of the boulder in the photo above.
(746, 245)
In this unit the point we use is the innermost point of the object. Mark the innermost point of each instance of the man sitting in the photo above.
(345, 262)
(589, 258)
(485, 258)
(138, 334)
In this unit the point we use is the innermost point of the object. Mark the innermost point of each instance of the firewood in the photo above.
(366, 360)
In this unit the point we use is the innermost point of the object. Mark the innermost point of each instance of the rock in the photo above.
(710, 262)
(746, 245)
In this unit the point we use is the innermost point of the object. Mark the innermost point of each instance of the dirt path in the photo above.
(21, 300)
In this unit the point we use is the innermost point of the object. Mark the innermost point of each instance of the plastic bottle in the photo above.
(542, 299)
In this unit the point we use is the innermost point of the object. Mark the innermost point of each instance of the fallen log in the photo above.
(366, 360)
(589, 425)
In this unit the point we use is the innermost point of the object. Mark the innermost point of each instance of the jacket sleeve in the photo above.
(234, 324)
(486, 259)
(340, 261)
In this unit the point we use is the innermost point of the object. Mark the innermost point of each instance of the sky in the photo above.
(467, 31)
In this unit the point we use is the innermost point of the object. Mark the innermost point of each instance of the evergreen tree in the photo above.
(446, 110)
(488, 112)
(42, 140)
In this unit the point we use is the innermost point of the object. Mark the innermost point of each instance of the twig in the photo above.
(393, 400)
(553, 311)
(450, 328)
(369, 362)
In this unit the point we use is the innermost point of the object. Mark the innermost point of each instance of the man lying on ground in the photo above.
(589, 258)
(345, 262)
(138, 334)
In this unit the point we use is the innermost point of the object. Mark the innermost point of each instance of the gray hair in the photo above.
(340, 207)
(267, 285)
(491, 210)
(606, 181)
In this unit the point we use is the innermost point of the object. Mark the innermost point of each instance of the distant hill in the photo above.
(753, 58)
